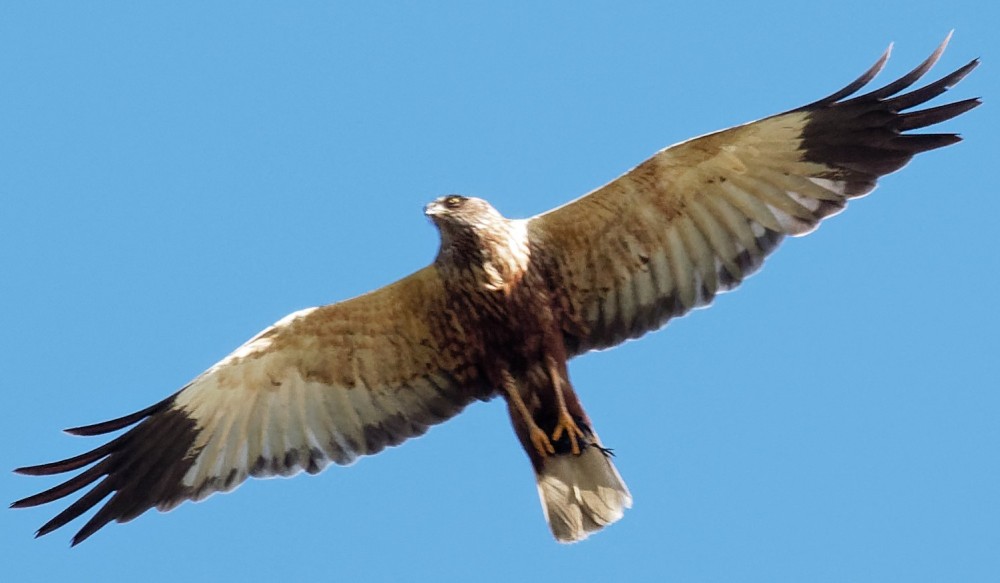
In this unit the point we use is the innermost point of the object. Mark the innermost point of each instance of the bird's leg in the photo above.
(566, 422)
(538, 437)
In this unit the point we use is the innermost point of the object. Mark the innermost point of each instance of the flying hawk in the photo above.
(503, 307)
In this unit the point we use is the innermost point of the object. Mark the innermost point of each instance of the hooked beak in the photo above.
(433, 209)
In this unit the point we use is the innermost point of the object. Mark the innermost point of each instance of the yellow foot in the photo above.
(541, 441)
(572, 430)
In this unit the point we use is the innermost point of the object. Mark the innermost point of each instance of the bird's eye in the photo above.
(453, 202)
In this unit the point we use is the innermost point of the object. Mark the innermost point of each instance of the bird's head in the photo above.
(454, 214)
(474, 235)
(471, 229)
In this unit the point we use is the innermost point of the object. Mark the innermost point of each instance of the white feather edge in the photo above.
(581, 494)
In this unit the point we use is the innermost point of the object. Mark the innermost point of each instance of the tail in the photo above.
(581, 494)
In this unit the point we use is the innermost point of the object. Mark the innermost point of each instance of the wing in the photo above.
(324, 384)
(699, 217)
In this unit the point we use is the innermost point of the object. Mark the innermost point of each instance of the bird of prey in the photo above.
(503, 307)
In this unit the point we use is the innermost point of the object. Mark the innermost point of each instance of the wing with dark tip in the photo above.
(699, 217)
(325, 384)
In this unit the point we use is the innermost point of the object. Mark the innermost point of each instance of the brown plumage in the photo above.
(501, 310)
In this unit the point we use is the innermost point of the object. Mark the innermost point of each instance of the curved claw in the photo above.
(573, 431)
(541, 442)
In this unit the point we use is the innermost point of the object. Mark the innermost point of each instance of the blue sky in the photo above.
(177, 177)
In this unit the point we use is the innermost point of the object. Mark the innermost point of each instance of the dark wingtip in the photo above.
(864, 137)
(123, 421)
(138, 466)
(910, 78)
(857, 84)
(119, 423)
(72, 463)
(87, 430)
(47, 528)
(39, 470)
(22, 503)
(96, 523)
(926, 117)
(932, 90)
(900, 84)
(44, 469)
(81, 536)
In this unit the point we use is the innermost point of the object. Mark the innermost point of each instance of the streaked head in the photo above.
(454, 212)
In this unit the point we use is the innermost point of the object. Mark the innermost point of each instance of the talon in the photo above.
(572, 430)
(541, 442)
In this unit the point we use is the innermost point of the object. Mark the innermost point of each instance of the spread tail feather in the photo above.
(581, 494)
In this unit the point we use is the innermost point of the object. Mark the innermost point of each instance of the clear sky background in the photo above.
(175, 178)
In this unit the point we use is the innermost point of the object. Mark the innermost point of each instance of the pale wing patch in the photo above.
(837, 187)
(709, 233)
(287, 424)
